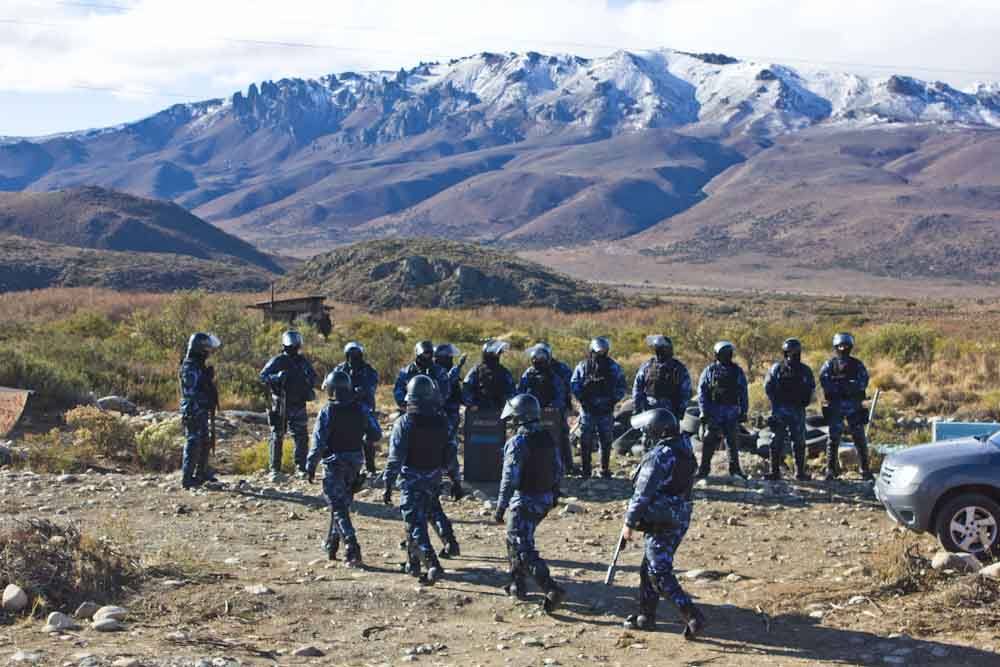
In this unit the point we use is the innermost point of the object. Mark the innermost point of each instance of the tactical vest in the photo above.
(297, 387)
(541, 385)
(490, 387)
(663, 379)
(347, 430)
(428, 440)
(790, 387)
(538, 472)
(685, 466)
(725, 384)
(596, 381)
(842, 373)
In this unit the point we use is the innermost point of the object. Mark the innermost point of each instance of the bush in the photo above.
(53, 452)
(904, 343)
(160, 446)
(102, 432)
(54, 385)
(256, 458)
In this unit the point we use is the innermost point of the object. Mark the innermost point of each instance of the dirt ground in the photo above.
(788, 578)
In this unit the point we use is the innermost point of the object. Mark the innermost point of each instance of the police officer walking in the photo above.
(343, 427)
(444, 356)
(199, 399)
(418, 455)
(423, 364)
(364, 382)
(724, 402)
(845, 381)
(541, 381)
(290, 378)
(661, 507)
(529, 488)
(790, 387)
(598, 384)
(662, 381)
(565, 374)
(489, 385)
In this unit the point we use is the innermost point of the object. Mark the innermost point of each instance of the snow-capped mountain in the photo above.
(519, 148)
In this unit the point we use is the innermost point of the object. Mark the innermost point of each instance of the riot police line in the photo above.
(530, 465)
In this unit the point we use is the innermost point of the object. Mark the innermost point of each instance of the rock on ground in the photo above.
(110, 611)
(58, 622)
(14, 598)
(107, 625)
(944, 560)
(991, 571)
(86, 610)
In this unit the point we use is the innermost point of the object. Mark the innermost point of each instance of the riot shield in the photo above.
(485, 436)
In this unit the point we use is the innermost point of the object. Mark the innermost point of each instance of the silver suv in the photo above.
(949, 488)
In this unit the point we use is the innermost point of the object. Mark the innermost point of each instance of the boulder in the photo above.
(117, 404)
(86, 610)
(14, 598)
(59, 622)
(107, 625)
(944, 560)
(991, 571)
(111, 611)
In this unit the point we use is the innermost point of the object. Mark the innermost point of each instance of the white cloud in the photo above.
(193, 46)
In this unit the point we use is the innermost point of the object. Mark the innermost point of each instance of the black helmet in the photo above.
(354, 348)
(523, 408)
(792, 347)
(337, 384)
(539, 351)
(843, 340)
(291, 340)
(662, 345)
(600, 346)
(657, 424)
(495, 348)
(200, 344)
(724, 350)
(446, 351)
(423, 391)
(424, 352)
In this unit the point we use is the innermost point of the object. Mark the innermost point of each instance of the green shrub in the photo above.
(903, 343)
(255, 458)
(102, 432)
(52, 452)
(160, 446)
(55, 385)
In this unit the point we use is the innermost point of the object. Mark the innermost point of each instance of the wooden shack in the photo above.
(309, 309)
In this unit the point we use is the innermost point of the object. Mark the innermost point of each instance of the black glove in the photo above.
(498, 515)
(387, 495)
(457, 492)
(311, 474)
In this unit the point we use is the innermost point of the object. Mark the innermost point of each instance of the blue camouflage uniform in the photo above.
(565, 374)
(199, 397)
(420, 451)
(341, 429)
(724, 400)
(364, 379)
(407, 373)
(488, 388)
(529, 488)
(845, 381)
(662, 384)
(293, 375)
(545, 385)
(452, 394)
(598, 386)
(661, 507)
(789, 386)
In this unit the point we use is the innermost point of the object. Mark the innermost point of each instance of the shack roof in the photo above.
(295, 303)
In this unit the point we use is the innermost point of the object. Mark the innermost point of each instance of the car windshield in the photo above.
(995, 439)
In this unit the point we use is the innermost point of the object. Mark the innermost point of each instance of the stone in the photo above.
(531, 641)
(127, 662)
(14, 598)
(258, 589)
(991, 571)
(944, 560)
(691, 575)
(86, 610)
(107, 625)
(308, 652)
(26, 656)
(67, 479)
(572, 508)
(111, 611)
(117, 404)
(59, 622)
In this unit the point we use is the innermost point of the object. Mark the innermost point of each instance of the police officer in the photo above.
(444, 356)
(790, 387)
(342, 428)
(598, 384)
(199, 398)
(419, 452)
(565, 374)
(529, 488)
(290, 378)
(423, 364)
(662, 381)
(724, 402)
(489, 384)
(364, 377)
(661, 508)
(845, 381)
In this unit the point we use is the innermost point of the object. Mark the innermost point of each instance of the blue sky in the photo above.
(67, 65)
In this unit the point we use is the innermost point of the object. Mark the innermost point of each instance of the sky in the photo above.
(68, 65)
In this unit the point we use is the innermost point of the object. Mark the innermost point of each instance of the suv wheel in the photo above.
(970, 523)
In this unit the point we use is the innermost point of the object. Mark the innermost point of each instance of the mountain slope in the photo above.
(424, 273)
(30, 264)
(103, 219)
(525, 149)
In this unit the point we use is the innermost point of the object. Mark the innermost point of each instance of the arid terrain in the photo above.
(787, 575)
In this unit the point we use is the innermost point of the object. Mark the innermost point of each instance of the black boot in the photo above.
(332, 546)
(353, 555)
(801, 469)
(433, 569)
(862, 446)
(775, 474)
(585, 461)
(516, 588)
(649, 599)
(734, 464)
(554, 595)
(694, 621)
(412, 564)
(450, 549)
(606, 462)
(832, 464)
(705, 466)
